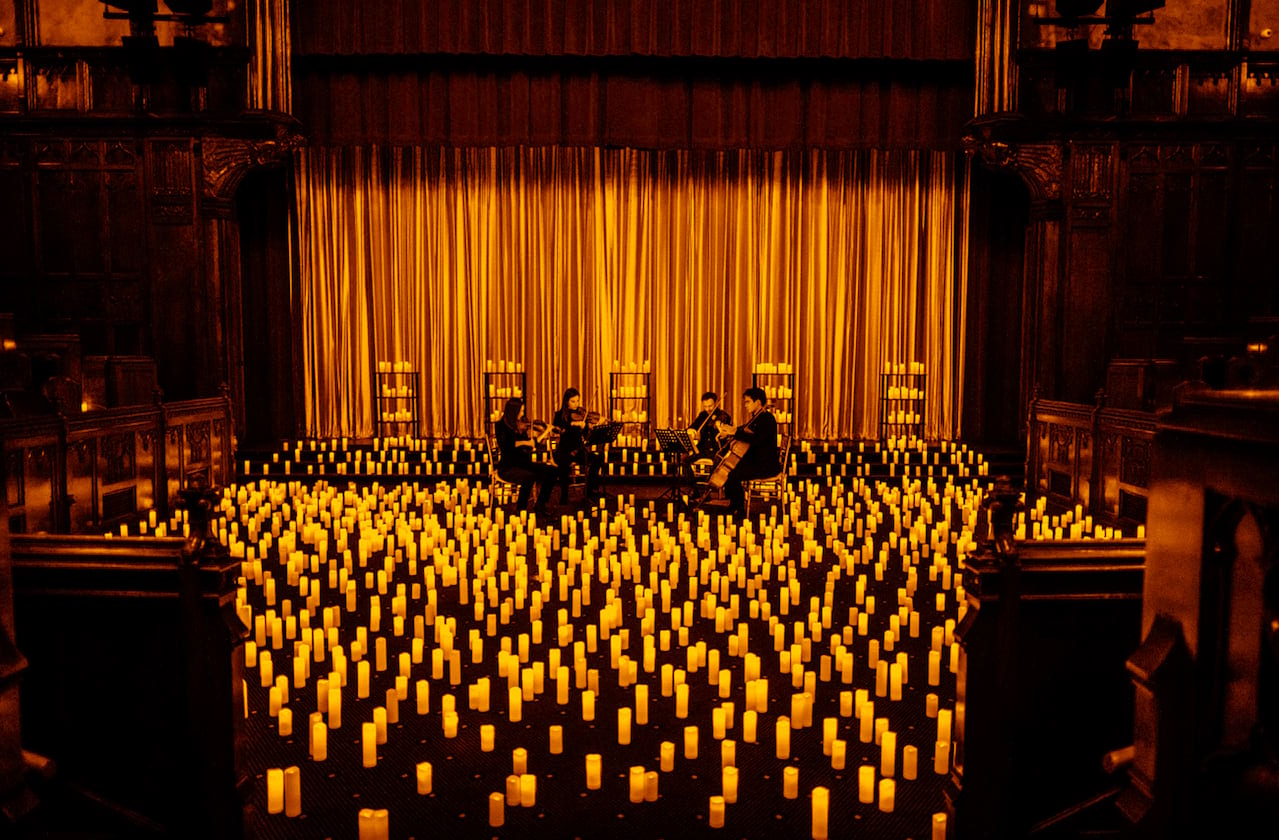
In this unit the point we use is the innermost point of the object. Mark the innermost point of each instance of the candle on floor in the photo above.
(369, 742)
(519, 761)
(690, 742)
(943, 724)
(588, 705)
(888, 754)
(790, 782)
(650, 786)
(783, 737)
(379, 723)
(941, 758)
(450, 724)
(887, 795)
(274, 790)
(729, 781)
(593, 771)
(667, 751)
(285, 722)
(821, 804)
(528, 790)
(424, 777)
(750, 721)
(838, 754)
(624, 725)
(319, 741)
(681, 701)
(292, 792)
(717, 812)
(637, 784)
(486, 737)
(557, 740)
(515, 704)
(910, 762)
(497, 809)
(513, 790)
(939, 826)
(930, 705)
(865, 784)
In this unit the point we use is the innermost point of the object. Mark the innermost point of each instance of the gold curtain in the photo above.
(572, 260)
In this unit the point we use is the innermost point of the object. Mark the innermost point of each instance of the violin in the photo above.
(587, 418)
(534, 431)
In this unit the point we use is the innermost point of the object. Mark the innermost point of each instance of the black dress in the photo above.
(515, 464)
(572, 447)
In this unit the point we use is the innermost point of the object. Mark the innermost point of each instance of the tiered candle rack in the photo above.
(622, 401)
(397, 399)
(778, 381)
(499, 386)
(901, 406)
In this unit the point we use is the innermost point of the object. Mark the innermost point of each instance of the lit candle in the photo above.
(513, 790)
(450, 724)
(624, 726)
(650, 786)
(934, 668)
(515, 704)
(292, 791)
(690, 742)
(424, 777)
(335, 706)
(821, 804)
(422, 694)
(941, 758)
(528, 790)
(750, 721)
(838, 754)
(557, 740)
(790, 782)
(285, 722)
(865, 784)
(319, 741)
(588, 705)
(939, 826)
(486, 738)
(887, 794)
(369, 740)
(943, 724)
(888, 754)
(717, 812)
(497, 809)
(681, 700)
(729, 781)
(910, 761)
(930, 705)
(593, 771)
(637, 784)
(274, 790)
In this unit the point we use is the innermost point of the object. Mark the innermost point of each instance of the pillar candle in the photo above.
(930, 705)
(637, 784)
(838, 754)
(865, 784)
(887, 795)
(335, 706)
(667, 756)
(717, 812)
(939, 826)
(750, 721)
(624, 725)
(894, 682)
(888, 754)
(717, 724)
(274, 790)
(368, 740)
(941, 758)
(379, 723)
(783, 737)
(593, 771)
(790, 782)
(515, 704)
(650, 786)
(292, 792)
(588, 705)
(690, 742)
(943, 724)
(513, 790)
(821, 804)
(450, 724)
(866, 732)
(497, 809)
(486, 738)
(285, 722)
(528, 790)
(319, 741)
(557, 740)
(830, 730)
(910, 760)
(424, 777)
(729, 782)
(681, 701)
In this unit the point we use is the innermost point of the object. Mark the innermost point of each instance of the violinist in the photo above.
(573, 423)
(762, 458)
(516, 436)
(704, 430)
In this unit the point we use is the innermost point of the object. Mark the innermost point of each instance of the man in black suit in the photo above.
(762, 459)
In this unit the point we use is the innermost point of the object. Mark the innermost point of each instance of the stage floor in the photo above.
(838, 541)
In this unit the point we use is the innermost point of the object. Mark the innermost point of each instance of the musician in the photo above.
(762, 459)
(515, 438)
(707, 421)
(571, 421)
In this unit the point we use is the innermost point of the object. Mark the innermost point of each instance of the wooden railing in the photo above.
(86, 473)
(1092, 456)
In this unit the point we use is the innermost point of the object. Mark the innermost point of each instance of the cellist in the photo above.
(761, 459)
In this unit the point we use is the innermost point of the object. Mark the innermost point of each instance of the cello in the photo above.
(736, 450)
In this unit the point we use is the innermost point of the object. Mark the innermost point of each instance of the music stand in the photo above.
(604, 433)
(675, 442)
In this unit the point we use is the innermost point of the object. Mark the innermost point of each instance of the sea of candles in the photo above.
(419, 584)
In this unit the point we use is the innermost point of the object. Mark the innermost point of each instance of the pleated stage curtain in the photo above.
(573, 260)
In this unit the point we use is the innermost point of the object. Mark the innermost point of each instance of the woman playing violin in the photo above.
(573, 421)
(515, 438)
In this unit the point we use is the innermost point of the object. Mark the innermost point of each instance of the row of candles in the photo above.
(889, 676)
(395, 367)
(904, 367)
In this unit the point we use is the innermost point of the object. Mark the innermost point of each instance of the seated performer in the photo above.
(570, 420)
(761, 460)
(515, 464)
(705, 426)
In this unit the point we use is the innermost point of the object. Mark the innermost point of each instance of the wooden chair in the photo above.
(501, 491)
(769, 487)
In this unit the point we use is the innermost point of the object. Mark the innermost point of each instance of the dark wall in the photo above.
(994, 412)
(262, 208)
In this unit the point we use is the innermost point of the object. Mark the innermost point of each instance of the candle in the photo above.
(887, 793)
(910, 760)
(650, 786)
(319, 741)
(497, 809)
(292, 792)
(519, 761)
(939, 826)
(790, 782)
(717, 724)
(838, 754)
(637, 784)
(369, 741)
(690, 742)
(717, 812)
(941, 758)
(821, 803)
(624, 725)
(513, 790)
(593, 771)
(557, 740)
(274, 790)
(930, 705)
(422, 694)
(486, 738)
(667, 756)
(424, 777)
(588, 705)
(865, 784)
(888, 754)
(750, 721)
(515, 704)
(285, 722)
(943, 724)
(681, 700)
(729, 782)
(450, 724)
(934, 668)
(783, 737)
(335, 705)
(379, 724)
(528, 790)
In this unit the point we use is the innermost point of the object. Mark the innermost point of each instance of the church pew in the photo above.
(134, 680)
(1042, 689)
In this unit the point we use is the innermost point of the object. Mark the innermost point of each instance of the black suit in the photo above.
(761, 460)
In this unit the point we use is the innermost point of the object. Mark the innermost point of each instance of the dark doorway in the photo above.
(266, 302)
